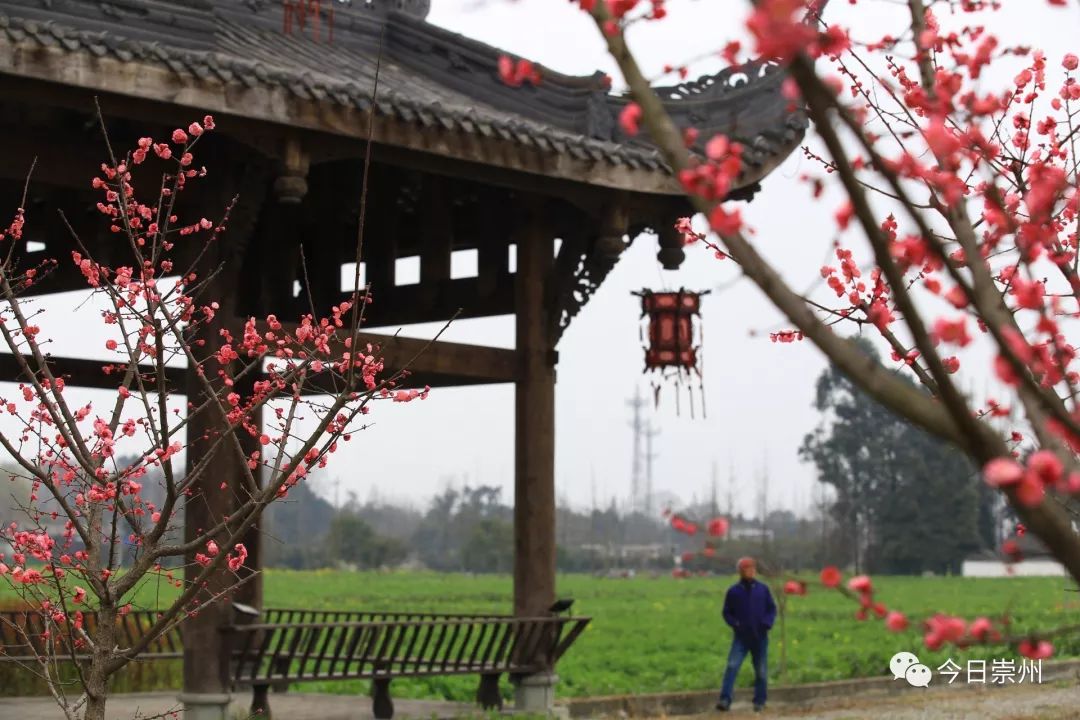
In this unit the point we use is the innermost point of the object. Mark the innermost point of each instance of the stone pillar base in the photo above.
(535, 693)
(205, 706)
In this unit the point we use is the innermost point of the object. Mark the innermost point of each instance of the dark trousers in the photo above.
(758, 648)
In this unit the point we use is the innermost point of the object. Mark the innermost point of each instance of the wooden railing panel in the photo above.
(22, 635)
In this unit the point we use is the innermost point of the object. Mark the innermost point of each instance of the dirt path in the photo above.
(290, 706)
(1049, 701)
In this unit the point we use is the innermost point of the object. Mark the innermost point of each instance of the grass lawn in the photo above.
(661, 634)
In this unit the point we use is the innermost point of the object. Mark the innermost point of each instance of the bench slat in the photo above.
(429, 631)
(463, 648)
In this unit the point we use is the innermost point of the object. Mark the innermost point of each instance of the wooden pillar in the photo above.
(491, 244)
(281, 235)
(205, 658)
(251, 592)
(329, 235)
(437, 242)
(381, 235)
(534, 445)
(289, 191)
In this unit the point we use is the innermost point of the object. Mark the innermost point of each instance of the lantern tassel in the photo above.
(701, 366)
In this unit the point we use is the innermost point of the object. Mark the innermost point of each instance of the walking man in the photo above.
(749, 610)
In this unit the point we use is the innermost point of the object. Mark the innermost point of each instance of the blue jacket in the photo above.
(749, 609)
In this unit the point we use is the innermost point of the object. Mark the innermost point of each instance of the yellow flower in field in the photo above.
(658, 606)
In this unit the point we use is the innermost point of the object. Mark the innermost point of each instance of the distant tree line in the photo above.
(470, 529)
(463, 530)
(900, 502)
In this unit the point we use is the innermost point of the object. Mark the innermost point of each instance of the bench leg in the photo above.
(488, 695)
(382, 707)
(281, 667)
(260, 701)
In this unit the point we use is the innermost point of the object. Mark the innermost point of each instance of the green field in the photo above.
(661, 634)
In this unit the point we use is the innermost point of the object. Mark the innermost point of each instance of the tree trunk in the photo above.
(96, 681)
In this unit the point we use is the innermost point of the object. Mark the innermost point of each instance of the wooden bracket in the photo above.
(291, 186)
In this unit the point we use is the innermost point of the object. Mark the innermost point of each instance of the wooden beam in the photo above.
(468, 364)
(149, 88)
(582, 195)
(462, 298)
(55, 160)
(448, 363)
(84, 373)
(436, 363)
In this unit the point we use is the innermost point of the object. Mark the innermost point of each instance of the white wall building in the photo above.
(1034, 567)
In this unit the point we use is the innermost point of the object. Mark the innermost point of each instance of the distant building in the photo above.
(749, 532)
(629, 553)
(1036, 562)
(991, 566)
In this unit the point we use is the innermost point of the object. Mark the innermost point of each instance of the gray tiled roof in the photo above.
(427, 76)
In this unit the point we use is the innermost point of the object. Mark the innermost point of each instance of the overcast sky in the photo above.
(758, 394)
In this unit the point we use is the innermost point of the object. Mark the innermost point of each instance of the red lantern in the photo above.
(672, 344)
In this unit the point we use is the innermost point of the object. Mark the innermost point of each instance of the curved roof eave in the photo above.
(288, 83)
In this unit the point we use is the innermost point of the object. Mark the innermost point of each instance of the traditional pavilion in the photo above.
(461, 162)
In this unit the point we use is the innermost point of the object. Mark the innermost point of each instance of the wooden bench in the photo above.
(278, 646)
(397, 645)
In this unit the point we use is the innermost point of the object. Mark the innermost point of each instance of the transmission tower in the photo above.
(715, 498)
(592, 486)
(637, 424)
(650, 432)
(731, 491)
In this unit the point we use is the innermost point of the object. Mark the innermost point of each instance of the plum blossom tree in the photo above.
(959, 225)
(158, 312)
